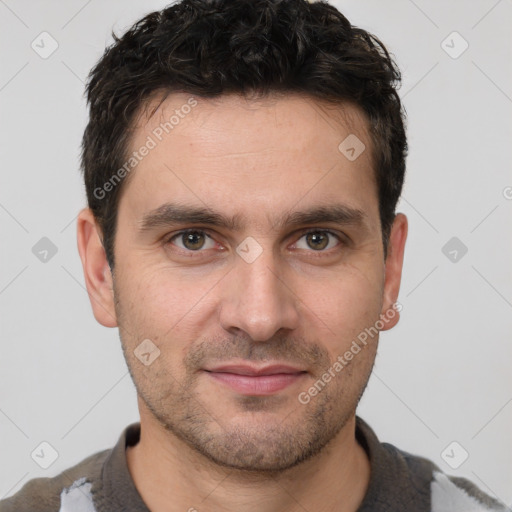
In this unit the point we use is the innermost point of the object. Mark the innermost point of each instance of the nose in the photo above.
(257, 299)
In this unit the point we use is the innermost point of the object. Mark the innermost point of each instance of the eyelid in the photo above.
(168, 239)
(335, 233)
(342, 238)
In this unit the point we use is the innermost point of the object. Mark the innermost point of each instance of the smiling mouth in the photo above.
(248, 380)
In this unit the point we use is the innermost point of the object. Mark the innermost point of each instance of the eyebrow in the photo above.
(170, 214)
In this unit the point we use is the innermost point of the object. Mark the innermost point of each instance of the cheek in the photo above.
(342, 306)
(158, 307)
(167, 304)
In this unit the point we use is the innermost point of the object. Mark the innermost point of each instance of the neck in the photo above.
(170, 476)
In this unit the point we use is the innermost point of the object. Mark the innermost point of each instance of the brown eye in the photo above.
(192, 240)
(318, 240)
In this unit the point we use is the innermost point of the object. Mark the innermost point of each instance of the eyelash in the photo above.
(190, 253)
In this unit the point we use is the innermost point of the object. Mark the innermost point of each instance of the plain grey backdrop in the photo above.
(442, 384)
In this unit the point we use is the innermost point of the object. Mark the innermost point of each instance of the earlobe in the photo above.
(97, 274)
(393, 272)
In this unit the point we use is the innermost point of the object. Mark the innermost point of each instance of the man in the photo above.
(243, 161)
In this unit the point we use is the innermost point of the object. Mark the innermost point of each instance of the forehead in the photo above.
(250, 158)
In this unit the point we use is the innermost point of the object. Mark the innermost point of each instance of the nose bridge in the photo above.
(257, 300)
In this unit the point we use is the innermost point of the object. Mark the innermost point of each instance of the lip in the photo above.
(245, 369)
(250, 380)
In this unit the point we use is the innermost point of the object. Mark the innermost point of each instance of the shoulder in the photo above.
(448, 493)
(48, 494)
(401, 481)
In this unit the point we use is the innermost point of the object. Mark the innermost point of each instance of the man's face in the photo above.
(266, 291)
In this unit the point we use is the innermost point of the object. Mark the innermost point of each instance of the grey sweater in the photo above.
(399, 482)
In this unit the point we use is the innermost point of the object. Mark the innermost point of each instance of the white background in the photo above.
(442, 375)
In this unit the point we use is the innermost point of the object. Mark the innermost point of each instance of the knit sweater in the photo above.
(399, 482)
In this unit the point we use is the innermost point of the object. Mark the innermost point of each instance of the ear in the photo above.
(393, 272)
(98, 277)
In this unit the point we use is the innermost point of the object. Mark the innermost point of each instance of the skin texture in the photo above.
(203, 444)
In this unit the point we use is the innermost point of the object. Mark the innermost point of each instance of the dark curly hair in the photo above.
(212, 47)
